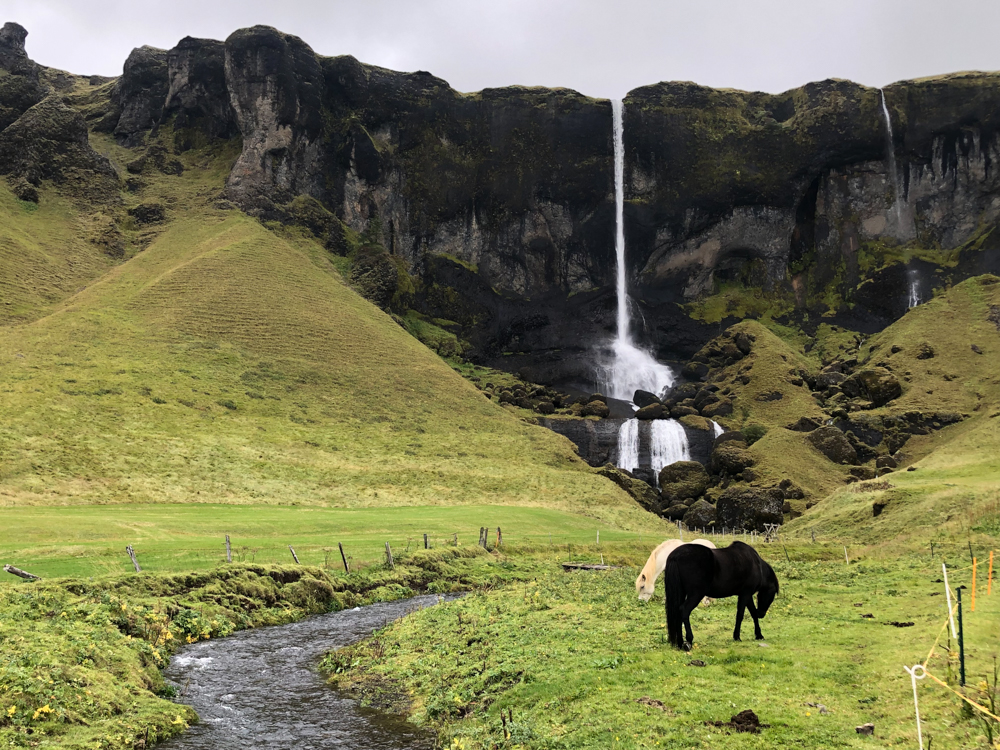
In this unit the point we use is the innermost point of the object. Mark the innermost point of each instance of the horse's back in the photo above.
(704, 543)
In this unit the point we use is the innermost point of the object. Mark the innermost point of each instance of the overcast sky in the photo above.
(602, 48)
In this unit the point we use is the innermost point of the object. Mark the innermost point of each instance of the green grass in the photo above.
(90, 540)
(125, 392)
(571, 654)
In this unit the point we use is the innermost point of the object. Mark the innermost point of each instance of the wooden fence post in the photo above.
(21, 573)
(425, 542)
(131, 554)
(343, 557)
(499, 537)
(229, 550)
(294, 556)
(388, 556)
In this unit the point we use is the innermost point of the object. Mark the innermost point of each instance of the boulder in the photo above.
(831, 443)
(925, 351)
(148, 213)
(721, 408)
(641, 492)
(744, 341)
(701, 515)
(731, 457)
(682, 411)
(595, 409)
(883, 462)
(644, 398)
(675, 512)
(876, 384)
(683, 480)
(652, 411)
(862, 472)
(730, 435)
(749, 508)
(695, 370)
(545, 407)
(791, 490)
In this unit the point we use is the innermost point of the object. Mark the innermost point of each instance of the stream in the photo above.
(260, 689)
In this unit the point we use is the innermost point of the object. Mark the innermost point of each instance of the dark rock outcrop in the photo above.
(831, 443)
(701, 515)
(641, 492)
(683, 480)
(877, 384)
(731, 457)
(20, 87)
(140, 93)
(197, 99)
(749, 508)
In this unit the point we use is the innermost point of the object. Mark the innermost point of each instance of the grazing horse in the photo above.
(694, 572)
(657, 561)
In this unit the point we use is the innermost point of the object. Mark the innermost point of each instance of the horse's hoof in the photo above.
(736, 638)
(759, 636)
(685, 646)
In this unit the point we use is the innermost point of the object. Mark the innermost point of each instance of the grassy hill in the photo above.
(225, 362)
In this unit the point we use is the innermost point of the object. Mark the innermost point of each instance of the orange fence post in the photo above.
(973, 608)
(989, 581)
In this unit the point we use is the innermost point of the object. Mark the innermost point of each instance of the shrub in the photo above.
(754, 432)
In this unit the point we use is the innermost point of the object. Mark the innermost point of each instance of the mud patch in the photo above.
(744, 721)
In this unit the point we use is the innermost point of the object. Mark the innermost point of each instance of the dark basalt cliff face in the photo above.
(794, 192)
(492, 212)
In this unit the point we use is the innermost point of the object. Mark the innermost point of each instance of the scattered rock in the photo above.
(804, 424)
(651, 702)
(731, 457)
(683, 480)
(976, 349)
(866, 729)
(652, 411)
(721, 408)
(831, 443)
(148, 213)
(696, 663)
(749, 508)
(925, 351)
(595, 409)
(868, 616)
(898, 624)
(701, 515)
(644, 398)
(24, 190)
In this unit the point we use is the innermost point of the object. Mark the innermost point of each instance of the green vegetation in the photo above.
(578, 661)
(81, 659)
(90, 540)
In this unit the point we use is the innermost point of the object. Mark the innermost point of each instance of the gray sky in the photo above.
(602, 48)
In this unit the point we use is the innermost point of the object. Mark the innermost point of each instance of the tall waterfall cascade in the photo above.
(630, 367)
(891, 156)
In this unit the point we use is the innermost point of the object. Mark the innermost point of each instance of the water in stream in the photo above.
(260, 689)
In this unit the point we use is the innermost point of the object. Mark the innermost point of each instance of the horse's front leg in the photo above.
(740, 604)
(686, 609)
(756, 620)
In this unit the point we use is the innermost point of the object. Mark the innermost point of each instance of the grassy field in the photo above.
(225, 362)
(90, 540)
(580, 662)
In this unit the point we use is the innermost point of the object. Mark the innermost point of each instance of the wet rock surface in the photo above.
(260, 689)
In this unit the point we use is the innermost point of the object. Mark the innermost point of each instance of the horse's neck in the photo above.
(661, 558)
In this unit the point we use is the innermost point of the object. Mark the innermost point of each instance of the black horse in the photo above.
(694, 572)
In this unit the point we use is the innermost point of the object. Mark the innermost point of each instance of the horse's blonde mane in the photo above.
(657, 562)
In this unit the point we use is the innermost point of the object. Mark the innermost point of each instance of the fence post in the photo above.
(229, 550)
(343, 557)
(972, 607)
(499, 537)
(294, 556)
(425, 542)
(131, 554)
(388, 556)
(947, 594)
(21, 573)
(961, 641)
(989, 580)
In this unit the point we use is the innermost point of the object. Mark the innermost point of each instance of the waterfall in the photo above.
(717, 429)
(629, 368)
(913, 279)
(668, 444)
(891, 152)
(628, 445)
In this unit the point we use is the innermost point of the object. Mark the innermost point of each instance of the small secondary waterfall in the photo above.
(631, 368)
(891, 153)
(913, 281)
(628, 445)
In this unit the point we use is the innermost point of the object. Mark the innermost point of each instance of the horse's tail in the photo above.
(674, 597)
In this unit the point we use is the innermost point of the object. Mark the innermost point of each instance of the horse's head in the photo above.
(644, 587)
(767, 592)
